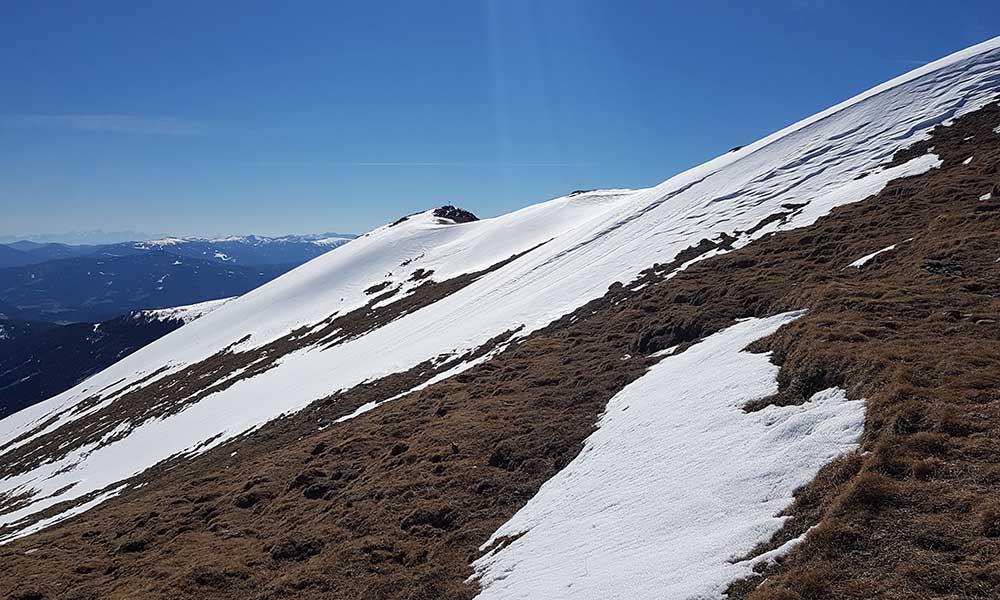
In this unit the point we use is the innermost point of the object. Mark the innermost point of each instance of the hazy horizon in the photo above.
(99, 236)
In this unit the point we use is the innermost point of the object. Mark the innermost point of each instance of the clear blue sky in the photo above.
(197, 118)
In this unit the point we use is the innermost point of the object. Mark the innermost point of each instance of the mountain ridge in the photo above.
(232, 248)
(529, 326)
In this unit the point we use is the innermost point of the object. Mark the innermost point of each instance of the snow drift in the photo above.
(677, 459)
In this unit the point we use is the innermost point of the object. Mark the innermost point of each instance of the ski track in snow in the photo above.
(676, 482)
(588, 242)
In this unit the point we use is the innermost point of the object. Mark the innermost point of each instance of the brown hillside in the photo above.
(395, 503)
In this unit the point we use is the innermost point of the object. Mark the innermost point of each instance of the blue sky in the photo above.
(202, 118)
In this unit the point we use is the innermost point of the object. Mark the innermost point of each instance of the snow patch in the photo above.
(868, 257)
(665, 351)
(675, 483)
(80, 508)
(457, 369)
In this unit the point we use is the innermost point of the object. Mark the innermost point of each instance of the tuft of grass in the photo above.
(951, 420)
(827, 481)
(773, 592)
(929, 443)
(872, 491)
(926, 469)
(810, 581)
(989, 519)
(832, 538)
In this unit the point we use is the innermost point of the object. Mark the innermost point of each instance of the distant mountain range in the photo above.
(91, 237)
(65, 283)
(246, 250)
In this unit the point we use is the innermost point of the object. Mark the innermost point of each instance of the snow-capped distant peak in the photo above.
(322, 239)
(186, 313)
(331, 241)
(167, 241)
(231, 238)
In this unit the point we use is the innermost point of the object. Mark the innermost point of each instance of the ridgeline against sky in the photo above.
(205, 119)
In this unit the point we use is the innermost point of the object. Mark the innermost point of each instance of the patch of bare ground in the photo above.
(395, 503)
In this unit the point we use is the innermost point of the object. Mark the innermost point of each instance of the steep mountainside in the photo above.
(15, 331)
(39, 360)
(772, 376)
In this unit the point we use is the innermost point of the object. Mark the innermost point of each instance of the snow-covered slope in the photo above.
(577, 538)
(579, 245)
